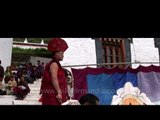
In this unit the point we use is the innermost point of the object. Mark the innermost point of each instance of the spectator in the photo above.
(89, 99)
(1, 72)
(8, 74)
(39, 70)
(11, 85)
(22, 89)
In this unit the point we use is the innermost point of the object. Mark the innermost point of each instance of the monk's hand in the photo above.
(59, 97)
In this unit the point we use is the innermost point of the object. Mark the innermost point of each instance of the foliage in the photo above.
(19, 54)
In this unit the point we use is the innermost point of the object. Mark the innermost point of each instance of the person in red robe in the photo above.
(22, 89)
(54, 85)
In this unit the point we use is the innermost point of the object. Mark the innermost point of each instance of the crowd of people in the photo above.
(15, 79)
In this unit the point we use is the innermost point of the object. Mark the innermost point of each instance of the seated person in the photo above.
(2, 89)
(89, 99)
(22, 89)
(8, 74)
(11, 84)
(26, 77)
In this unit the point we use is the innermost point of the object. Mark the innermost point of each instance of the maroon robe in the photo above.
(48, 91)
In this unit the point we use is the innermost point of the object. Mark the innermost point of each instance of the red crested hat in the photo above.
(57, 44)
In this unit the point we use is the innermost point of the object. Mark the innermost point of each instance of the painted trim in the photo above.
(30, 44)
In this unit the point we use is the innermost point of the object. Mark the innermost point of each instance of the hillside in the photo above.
(32, 40)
